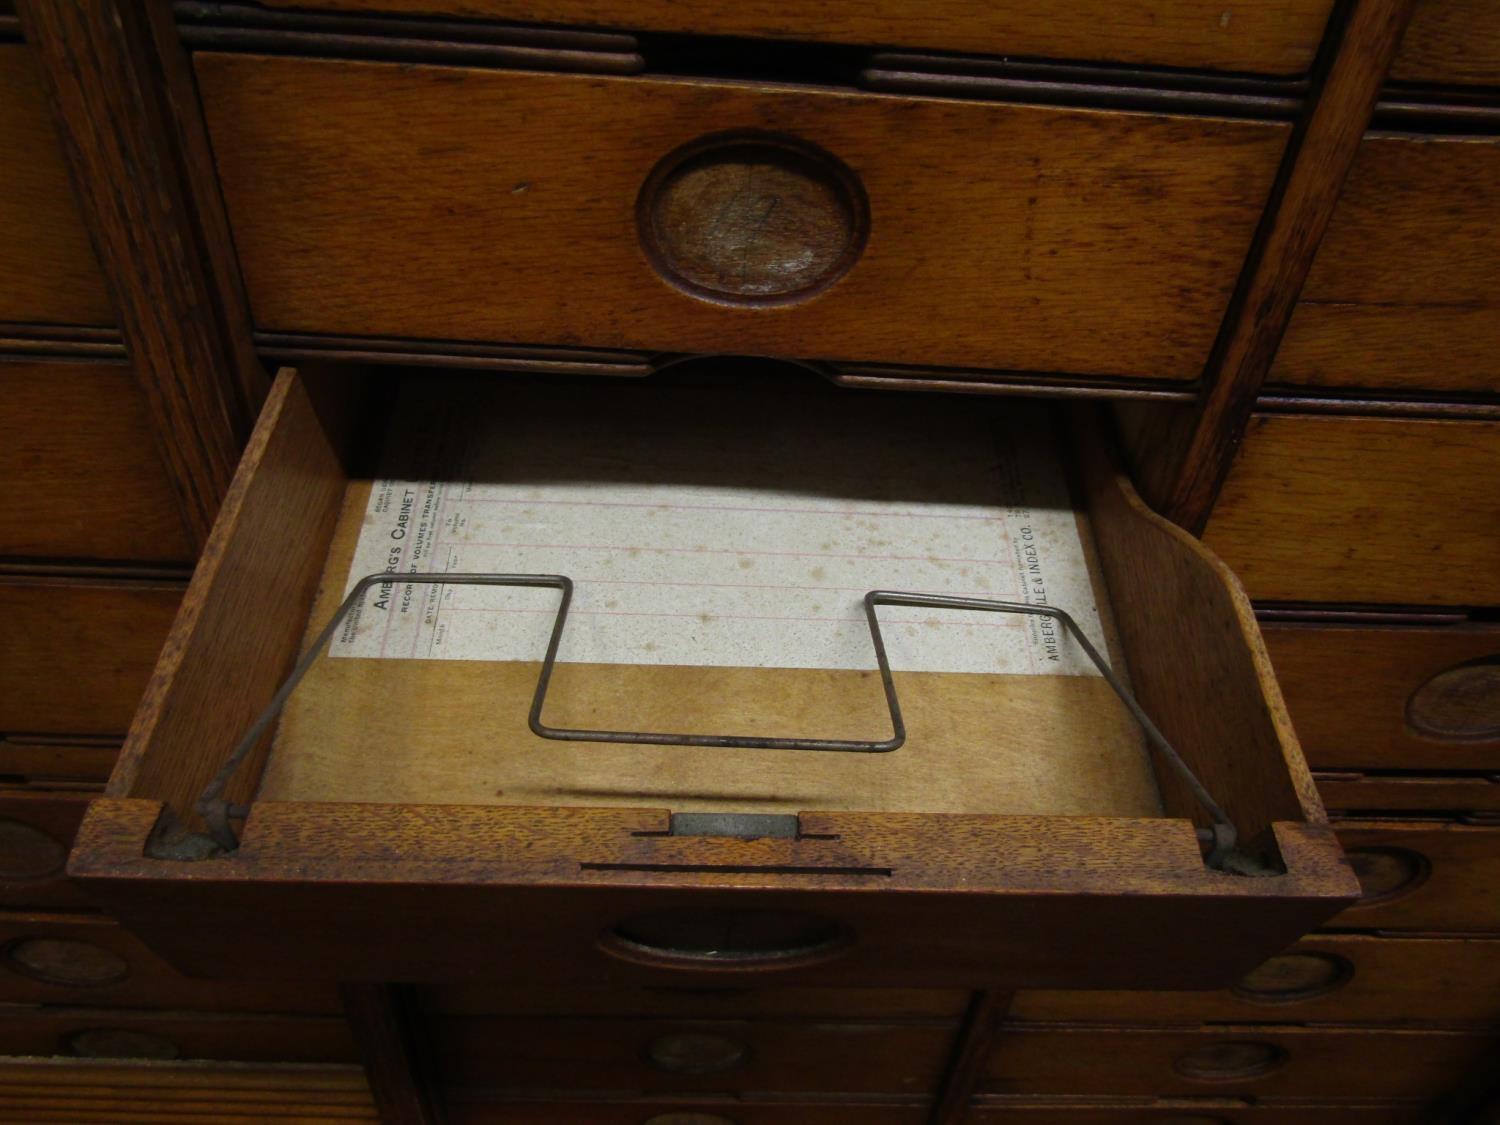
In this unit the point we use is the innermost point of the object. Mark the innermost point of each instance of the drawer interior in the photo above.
(795, 498)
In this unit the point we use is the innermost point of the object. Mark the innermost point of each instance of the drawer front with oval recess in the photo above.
(1404, 293)
(1400, 697)
(816, 223)
(665, 1055)
(77, 652)
(597, 847)
(1435, 876)
(36, 831)
(1193, 1111)
(84, 479)
(831, 1005)
(48, 273)
(1276, 38)
(125, 1033)
(1255, 1060)
(1328, 979)
(89, 960)
(1451, 41)
(1340, 509)
(568, 1108)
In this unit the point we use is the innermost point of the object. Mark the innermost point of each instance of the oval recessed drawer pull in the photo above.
(1385, 873)
(1459, 704)
(727, 939)
(119, 1043)
(1230, 1061)
(66, 962)
(27, 852)
(688, 1119)
(1289, 978)
(696, 1052)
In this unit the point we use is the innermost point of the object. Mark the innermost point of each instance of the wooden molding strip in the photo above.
(1187, 466)
(123, 96)
(383, 1021)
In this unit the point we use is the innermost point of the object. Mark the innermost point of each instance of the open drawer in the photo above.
(402, 818)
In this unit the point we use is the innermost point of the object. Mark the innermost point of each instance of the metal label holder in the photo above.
(218, 812)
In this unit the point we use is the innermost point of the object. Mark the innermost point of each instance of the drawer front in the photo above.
(48, 273)
(703, 1002)
(1432, 876)
(90, 961)
(913, 230)
(122, 1033)
(1193, 1111)
(1346, 978)
(45, 761)
(568, 1109)
(1455, 41)
(84, 480)
(1278, 37)
(76, 654)
(682, 1055)
(1321, 508)
(1391, 697)
(1404, 293)
(36, 832)
(1358, 792)
(1251, 1061)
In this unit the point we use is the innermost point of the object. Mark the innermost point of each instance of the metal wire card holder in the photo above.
(218, 812)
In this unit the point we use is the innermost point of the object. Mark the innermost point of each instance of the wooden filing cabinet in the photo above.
(1103, 204)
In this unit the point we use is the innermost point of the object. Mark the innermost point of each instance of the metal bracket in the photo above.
(218, 812)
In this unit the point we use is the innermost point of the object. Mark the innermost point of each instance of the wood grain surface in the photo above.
(1303, 1062)
(1403, 294)
(1352, 509)
(1278, 37)
(1451, 41)
(60, 1090)
(76, 653)
(1196, 1110)
(577, 1108)
(36, 831)
(1455, 871)
(1349, 688)
(1004, 236)
(1440, 982)
(54, 761)
(1355, 793)
(84, 478)
(118, 1032)
(48, 272)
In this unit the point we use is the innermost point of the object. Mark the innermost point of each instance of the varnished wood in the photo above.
(36, 831)
(397, 1056)
(1329, 1063)
(982, 1021)
(1363, 510)
(547, 1108)
(1455, 868)
(1197, 1110)
(84, 479)
(1278, 37)
(830, 1005)
(1182, 476)
(1094, 243)
(1451, 41)
(48, 273)
(1403, 293)
(1354, 792)
(247, 1037)
(1349, 688)
(76, 653)
(143, 980)
(1440, 982)
(52, 760)
(181, 1093)
(119, 87)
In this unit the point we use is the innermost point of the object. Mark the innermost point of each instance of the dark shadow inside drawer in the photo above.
(720, 531)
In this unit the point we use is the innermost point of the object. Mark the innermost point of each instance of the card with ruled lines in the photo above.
(720, 527)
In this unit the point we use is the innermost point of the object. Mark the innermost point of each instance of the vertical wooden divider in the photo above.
(389, 1036)
(976, 1035)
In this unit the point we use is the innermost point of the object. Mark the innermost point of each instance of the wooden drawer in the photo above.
(48, 274)
(1436, 876)
(57, 761)
(1398, 697)
(724, 1002)
(584, 868)
(570, 1109)
(1328, 979)
(1351, 792)
(1451, 41)
(1340, 509)
(85, 480)
(651, 1055)
(1193, 1111)
(193, 1093)
(89, 960)
(1402, 294)
(1257, 1061)
(77, 652)
(36, 831)
(121, 1033)
(1278, 38)
(1003, 236)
